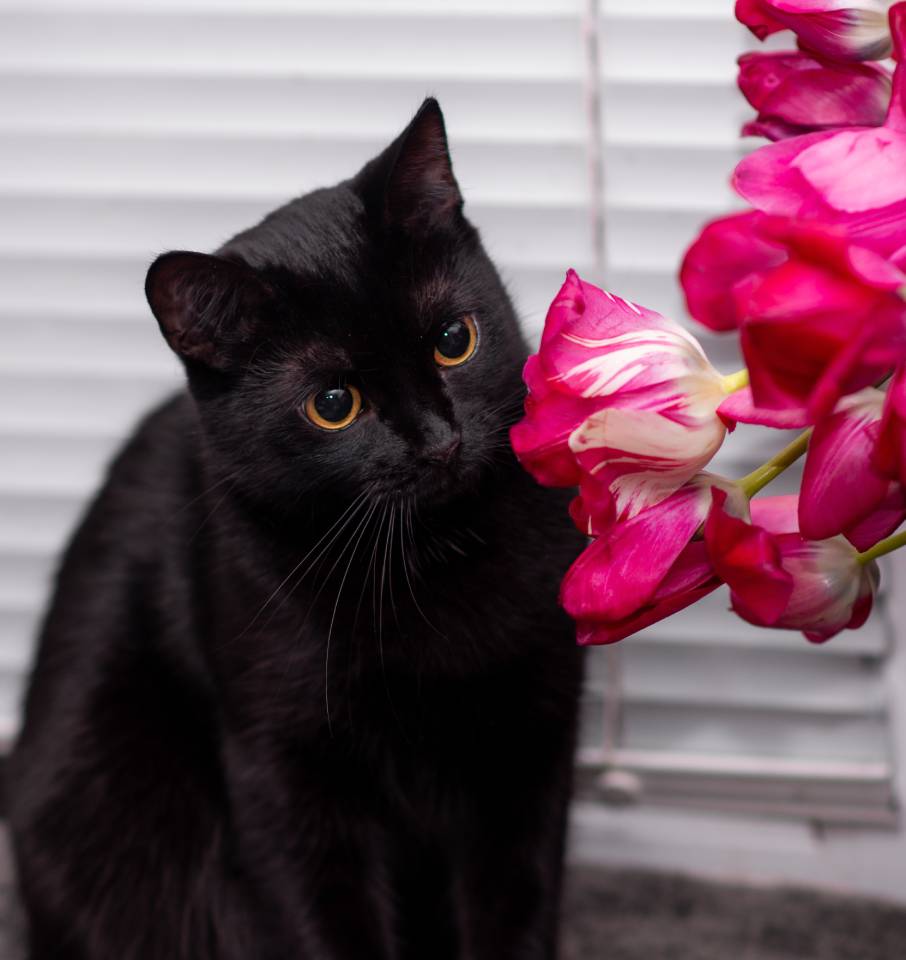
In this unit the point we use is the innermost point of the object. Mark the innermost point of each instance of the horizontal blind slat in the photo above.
(319, 44)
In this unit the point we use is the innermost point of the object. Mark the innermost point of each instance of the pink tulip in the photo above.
(841, 487)
(838, 29)
(849, 178)
(644, 569)
(795, 93)
(825, 323)
(727, 250)
(890, 453)
(620, 393)
(819, 316)
(778, 578)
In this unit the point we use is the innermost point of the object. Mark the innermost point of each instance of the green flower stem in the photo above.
(884, 546)
(763, 475)
(736, 381)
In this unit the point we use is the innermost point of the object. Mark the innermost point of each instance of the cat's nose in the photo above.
(445, 450)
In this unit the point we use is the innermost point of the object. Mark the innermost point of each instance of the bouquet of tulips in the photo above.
(624, 404)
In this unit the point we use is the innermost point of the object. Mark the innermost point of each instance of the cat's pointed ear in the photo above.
(207, 306)
(411, 184)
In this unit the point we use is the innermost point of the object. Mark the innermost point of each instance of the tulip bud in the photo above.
(795, 93)
(785, 581)
(841, 487)
(838, 29)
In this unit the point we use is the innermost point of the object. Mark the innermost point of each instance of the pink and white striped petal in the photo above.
(643, 456)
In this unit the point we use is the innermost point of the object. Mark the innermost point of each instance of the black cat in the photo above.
(304, 690)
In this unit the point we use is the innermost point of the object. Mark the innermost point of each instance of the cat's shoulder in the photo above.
(154, 475)
(165, 437)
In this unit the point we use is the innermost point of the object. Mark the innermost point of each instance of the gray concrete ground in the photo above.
(626, 915)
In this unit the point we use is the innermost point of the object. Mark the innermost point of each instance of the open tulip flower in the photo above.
(841, 486)
(647, 568)
(620, 393)
(839, 29)
(795, 93)
(818, 316)
(778, 578)
(826, 322)
(851, 178)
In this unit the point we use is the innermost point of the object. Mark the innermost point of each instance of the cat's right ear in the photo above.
(207, 306)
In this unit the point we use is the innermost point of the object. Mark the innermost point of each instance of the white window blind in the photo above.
(132, 127)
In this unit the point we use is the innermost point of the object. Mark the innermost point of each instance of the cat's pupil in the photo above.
(454, 341)
(334, 405)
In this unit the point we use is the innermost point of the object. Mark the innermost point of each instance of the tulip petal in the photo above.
(643, 456)
(772, 128)
(839, 29)
(757, 17)
(689, 579)
(565, 307)
(621, 570)
(829, 580)
(593, 510)
(541, 439)
(881, 522)
(746, 557)
(778, 514)
(767, 179)
(856, 170)
(840, 487)
(871, 580)
(739, 407)
(850, 30)
(896, 114)
(795, 93)
(890, 453)
(727, 250)
(791, 362)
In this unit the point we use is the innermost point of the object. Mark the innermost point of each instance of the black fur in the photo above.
(304, 694)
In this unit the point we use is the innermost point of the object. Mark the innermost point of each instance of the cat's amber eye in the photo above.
(457, 342)
(334, 409)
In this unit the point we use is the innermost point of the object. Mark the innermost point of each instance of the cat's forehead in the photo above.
(319, 234)
(321, 242)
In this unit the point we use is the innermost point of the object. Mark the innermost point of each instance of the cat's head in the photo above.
(357, 339)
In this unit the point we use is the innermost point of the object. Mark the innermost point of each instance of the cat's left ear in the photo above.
(207, 306)
(411, 184)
